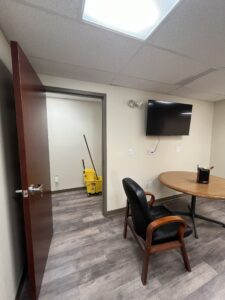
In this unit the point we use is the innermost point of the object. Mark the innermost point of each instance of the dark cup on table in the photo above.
(203, 175)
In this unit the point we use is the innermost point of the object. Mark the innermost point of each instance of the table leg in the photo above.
(209, 220)
(193, 215)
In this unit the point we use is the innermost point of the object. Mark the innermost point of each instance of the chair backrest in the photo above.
(139, 206)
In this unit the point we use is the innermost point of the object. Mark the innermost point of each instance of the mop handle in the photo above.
(90, 156)
(83, 164)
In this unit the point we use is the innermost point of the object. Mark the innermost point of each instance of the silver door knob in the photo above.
(38, 188)
(23, 192)
(18, 191)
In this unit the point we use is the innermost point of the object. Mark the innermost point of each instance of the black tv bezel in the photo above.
(172, 134)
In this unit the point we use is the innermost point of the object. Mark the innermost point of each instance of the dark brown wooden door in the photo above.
(31, 118)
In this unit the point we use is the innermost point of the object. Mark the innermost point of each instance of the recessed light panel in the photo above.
(137, 18)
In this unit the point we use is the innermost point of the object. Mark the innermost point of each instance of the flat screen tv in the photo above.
(168, 118)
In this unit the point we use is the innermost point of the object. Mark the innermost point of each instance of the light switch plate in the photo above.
(131, 152)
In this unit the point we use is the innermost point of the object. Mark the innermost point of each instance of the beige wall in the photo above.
(218, 140)
(11, 256)
(126, 130)
(68, 120)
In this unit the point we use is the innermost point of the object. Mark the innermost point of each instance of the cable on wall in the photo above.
(156, 146)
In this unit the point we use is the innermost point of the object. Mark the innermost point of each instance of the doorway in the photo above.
(84, 103)
(32, 132)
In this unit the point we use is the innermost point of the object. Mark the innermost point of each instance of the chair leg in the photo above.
(144, 274)
(185, 257)
(125, 221)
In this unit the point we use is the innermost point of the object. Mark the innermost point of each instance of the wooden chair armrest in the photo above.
(161, 222)
(165, 220)
(152, 200)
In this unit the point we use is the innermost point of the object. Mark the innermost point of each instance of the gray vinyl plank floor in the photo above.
(89, 259)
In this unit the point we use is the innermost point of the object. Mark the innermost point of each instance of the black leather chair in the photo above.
(155, 228)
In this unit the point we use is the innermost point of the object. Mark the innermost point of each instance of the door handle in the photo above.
(18, 191)
(38, 188)
(22, 192)
(32, 189)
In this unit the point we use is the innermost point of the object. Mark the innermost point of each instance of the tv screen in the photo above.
(168, 118)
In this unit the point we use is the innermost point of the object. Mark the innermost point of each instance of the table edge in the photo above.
(188, 192)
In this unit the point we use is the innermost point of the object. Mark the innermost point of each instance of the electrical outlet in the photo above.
(56, 179)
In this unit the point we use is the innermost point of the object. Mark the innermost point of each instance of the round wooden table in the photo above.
(185, 182)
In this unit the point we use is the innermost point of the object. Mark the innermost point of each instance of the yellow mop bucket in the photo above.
(92, 181)
(89, 174)
(98, 185)
(94, 186)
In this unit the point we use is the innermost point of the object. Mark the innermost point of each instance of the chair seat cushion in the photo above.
(168, 232)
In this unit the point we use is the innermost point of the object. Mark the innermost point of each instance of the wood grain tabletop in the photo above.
(185, 182)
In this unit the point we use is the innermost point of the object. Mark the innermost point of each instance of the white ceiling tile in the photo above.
(212, 83)
(142, 84)
(68, 8)
(190, 93)
(52, 37)
(195, 28)
(49, 67)
(158, 65)
(59, 44)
